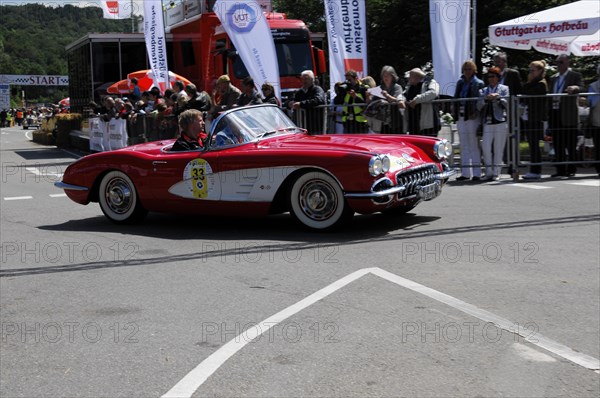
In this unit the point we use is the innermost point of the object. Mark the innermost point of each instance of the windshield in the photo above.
(249, 124)
(293, 58)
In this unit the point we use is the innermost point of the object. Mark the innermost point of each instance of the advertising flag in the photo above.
(347, 36)
(156, 43)
(114, 9)
(450, 23)
(249, 31)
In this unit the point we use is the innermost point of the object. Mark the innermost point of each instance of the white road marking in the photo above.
(58, 195)
(37, 172)
(532, 355)
(530, 186)
(28, 136)
(195, 378)
(72, 153)
(18, 197)
(591, 183)
(550, 345)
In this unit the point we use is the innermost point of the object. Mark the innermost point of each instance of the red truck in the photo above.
(202, 51)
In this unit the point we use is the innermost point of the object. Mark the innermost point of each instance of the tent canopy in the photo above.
(572, 28)
(145, 82)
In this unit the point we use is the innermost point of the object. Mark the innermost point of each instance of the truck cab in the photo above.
(202, 51)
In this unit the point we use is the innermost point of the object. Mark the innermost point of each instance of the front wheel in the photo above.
(317, 201)
(119, 200)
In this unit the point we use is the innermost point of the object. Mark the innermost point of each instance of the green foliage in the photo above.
(33, 39)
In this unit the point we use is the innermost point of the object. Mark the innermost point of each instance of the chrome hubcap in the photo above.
(119, 197)
(318, 200)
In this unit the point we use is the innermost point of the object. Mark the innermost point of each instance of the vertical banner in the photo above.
(4, 96)
(450, 23)
(96, 135)
(156, 43)
(120, 9)
(347, 37)
(249, 31)
(117, 134)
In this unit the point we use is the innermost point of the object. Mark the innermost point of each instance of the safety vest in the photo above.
(357, 113)
(19, 115)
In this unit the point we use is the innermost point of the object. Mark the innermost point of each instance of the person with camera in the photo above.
(352, 91)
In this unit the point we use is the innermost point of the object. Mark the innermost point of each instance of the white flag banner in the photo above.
(96, 135)
(117, 134)
(249, 31)
(347, 37)
(120, 9)
(450, 23)
(156, 43)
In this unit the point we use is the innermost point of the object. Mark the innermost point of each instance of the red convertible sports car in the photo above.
(257, 162)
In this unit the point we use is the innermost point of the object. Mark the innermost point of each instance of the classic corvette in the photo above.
(257, 162)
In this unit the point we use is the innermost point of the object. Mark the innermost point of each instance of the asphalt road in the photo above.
(423, 305)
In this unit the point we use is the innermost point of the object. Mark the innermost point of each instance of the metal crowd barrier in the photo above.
(146, 128)
(325, 119)
(516, 156)
(576, 137)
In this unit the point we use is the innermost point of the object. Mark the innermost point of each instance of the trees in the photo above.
(33, 39)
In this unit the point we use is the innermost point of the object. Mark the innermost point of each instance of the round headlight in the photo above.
(385, 161)
(375, 166)
(442, 149)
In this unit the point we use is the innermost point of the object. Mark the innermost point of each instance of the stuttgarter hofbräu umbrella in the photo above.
(572, 28)
(145, 82)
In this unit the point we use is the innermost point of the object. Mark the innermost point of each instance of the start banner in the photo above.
(35, 80)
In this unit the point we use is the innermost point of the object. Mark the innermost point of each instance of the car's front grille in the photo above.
(413, 178)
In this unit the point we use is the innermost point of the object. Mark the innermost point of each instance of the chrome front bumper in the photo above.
(378, 194)
(441, 177)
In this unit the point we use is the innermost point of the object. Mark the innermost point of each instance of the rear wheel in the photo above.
(119, 200)
(317, 201)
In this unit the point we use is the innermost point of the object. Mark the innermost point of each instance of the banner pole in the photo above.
(131, 16)
(474, 32)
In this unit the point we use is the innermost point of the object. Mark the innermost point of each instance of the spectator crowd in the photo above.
(548, 110)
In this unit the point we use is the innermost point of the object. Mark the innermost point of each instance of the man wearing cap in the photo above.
(225, 96)
(423, 118)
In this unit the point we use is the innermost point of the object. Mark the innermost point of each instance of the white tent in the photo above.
(572, 28)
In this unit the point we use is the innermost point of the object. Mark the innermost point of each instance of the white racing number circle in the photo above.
(197, 177)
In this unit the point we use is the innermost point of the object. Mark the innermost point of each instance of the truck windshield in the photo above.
(293, 57)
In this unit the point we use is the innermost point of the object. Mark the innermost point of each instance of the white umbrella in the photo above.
(572, 28)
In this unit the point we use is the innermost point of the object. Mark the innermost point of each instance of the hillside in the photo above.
(33, 38)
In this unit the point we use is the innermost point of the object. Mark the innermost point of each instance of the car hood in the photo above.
(364, 143)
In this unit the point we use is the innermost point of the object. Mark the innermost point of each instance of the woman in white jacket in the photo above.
(493, 104)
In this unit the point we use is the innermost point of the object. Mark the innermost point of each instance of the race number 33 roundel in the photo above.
(196, 175)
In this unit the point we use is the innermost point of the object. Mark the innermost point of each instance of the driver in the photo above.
(192, 135)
